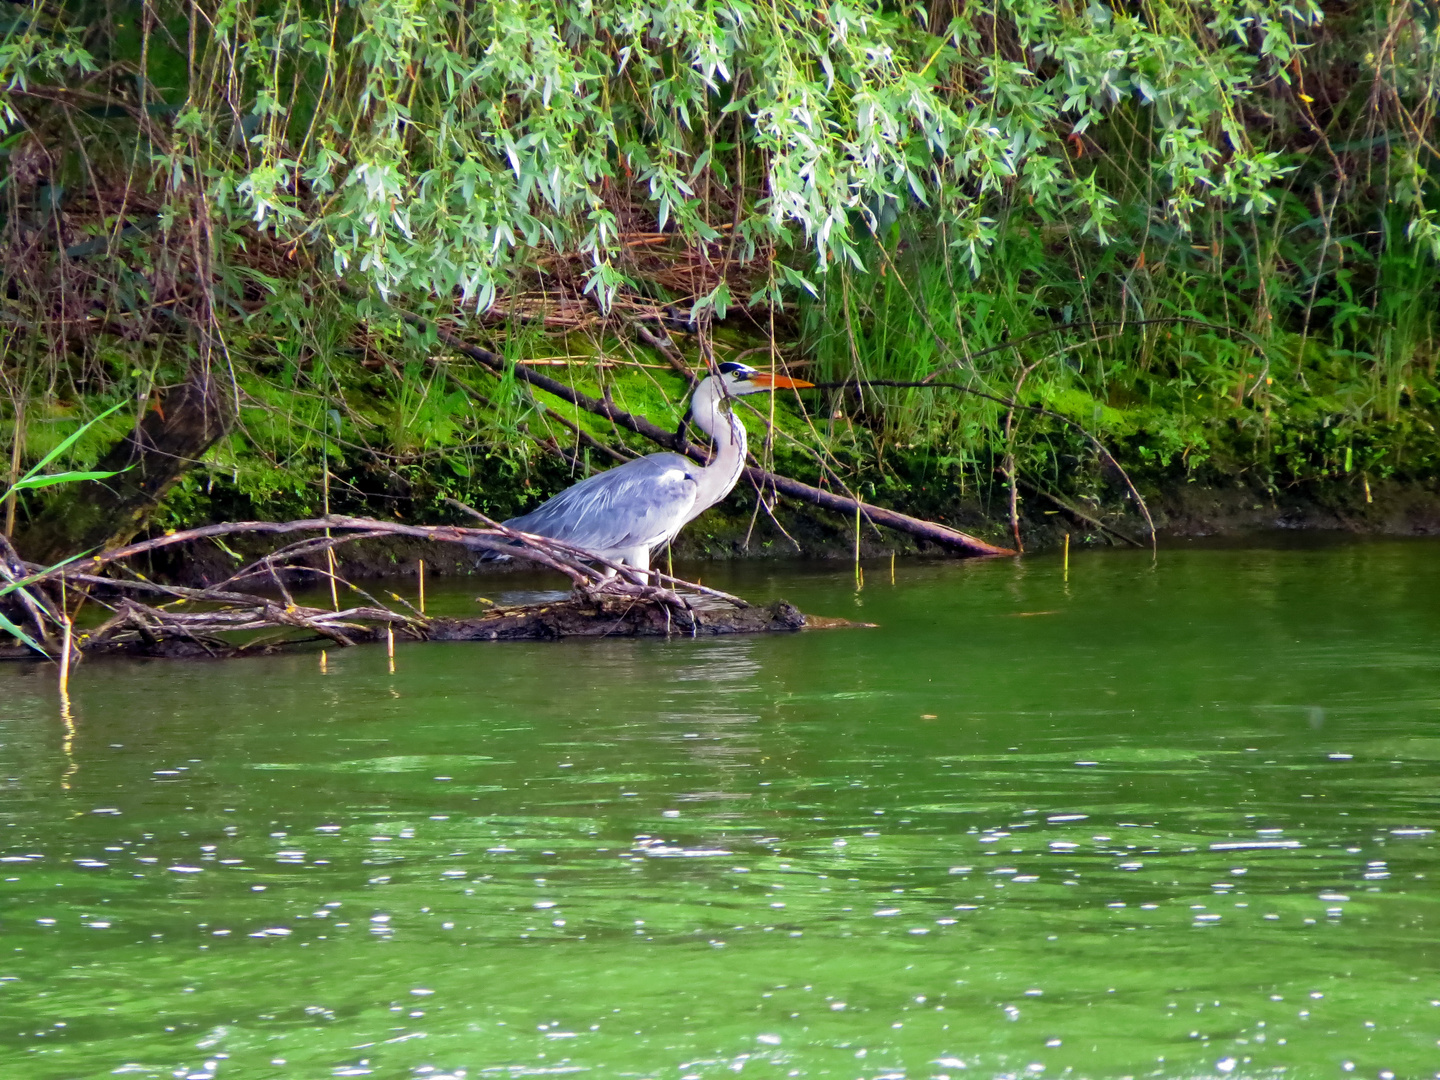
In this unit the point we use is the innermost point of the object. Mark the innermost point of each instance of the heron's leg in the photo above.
(639, 559)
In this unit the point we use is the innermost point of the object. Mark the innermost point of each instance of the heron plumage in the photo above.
(624, 513)
(641, 503)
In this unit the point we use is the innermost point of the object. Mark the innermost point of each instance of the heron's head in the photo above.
(741, 379)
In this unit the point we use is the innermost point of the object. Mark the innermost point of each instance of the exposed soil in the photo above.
(1384, 509)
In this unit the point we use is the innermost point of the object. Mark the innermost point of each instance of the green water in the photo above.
(1167, 820)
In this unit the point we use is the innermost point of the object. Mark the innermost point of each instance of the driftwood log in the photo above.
(593, 617)
(615, 617)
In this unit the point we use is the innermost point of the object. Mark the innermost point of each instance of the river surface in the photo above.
(1170, 819)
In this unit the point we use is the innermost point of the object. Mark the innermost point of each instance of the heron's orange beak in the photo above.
(778, 382)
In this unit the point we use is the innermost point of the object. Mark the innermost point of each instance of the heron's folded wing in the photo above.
(639, 503)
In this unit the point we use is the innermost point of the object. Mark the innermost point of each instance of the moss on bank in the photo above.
(398, 425)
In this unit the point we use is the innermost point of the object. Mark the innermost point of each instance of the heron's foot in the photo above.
(618, 586)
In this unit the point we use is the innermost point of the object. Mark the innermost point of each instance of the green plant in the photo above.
(34, 480)
(892, 188)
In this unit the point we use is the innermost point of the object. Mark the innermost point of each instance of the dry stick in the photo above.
(330, 562)
(1013, 501)
(330, 551)
(1010, 470)
(64, 645)
(927, 530)
(422, 586)
(334, 577)
(859, 577)
(294, 551)
(275, 577)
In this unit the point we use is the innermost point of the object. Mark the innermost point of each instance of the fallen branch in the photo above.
(174, 620)
(1080, 515)
(665, 348)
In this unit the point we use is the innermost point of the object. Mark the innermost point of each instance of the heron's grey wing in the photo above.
(639, 503)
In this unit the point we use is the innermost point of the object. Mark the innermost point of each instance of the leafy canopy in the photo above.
(443, 147)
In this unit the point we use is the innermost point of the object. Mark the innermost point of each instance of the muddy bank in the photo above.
(1195, 511)
(1384, 508)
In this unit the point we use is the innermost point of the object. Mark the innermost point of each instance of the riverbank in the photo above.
(1304, 450)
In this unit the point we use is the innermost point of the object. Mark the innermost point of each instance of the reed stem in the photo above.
(859, 576)
(17, 452)
(65, 658)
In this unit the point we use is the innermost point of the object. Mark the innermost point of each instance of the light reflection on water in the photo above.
(1171, 821)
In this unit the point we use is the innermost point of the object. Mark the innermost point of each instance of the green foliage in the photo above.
(33, 480)
(242, 186)
(435, 148)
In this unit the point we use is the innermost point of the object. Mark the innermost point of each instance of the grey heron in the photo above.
(626, 512)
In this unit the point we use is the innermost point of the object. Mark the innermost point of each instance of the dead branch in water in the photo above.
(144, 615)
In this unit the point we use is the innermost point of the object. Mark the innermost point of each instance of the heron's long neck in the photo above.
(721, 424)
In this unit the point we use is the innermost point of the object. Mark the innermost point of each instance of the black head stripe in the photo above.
(732, 368)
